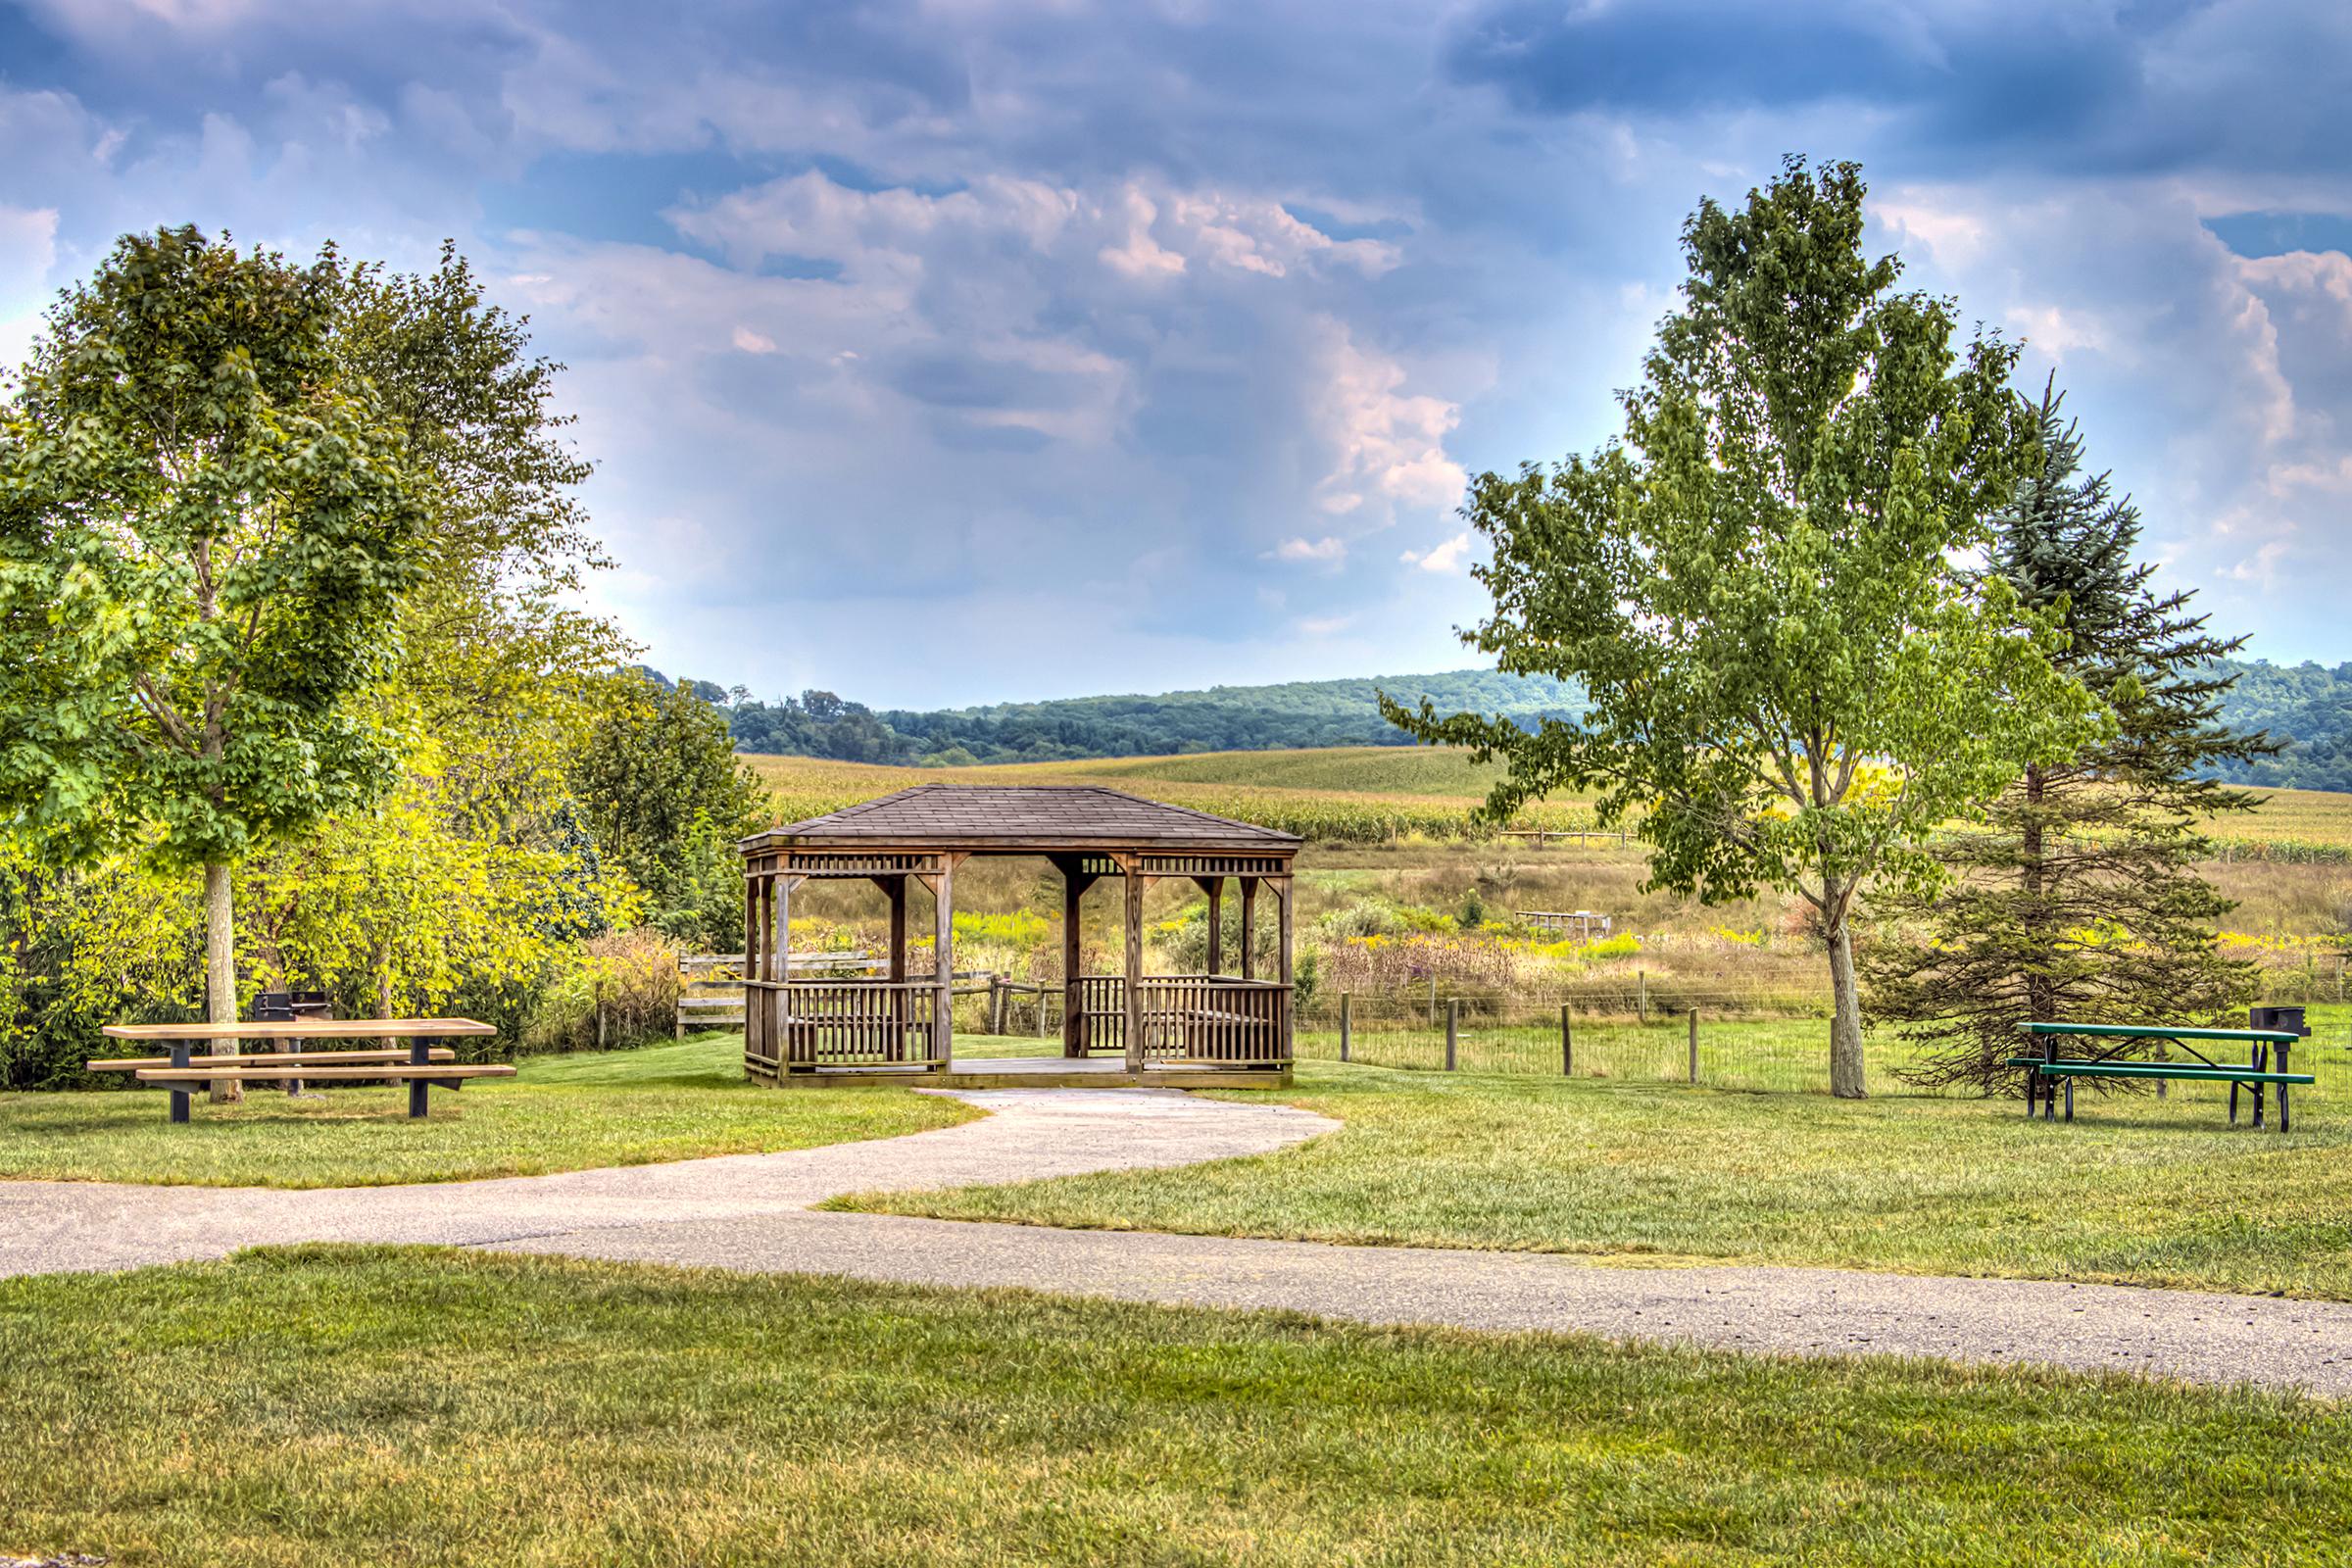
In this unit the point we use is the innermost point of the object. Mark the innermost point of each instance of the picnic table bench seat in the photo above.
(2049, 1073)
(283, 1059)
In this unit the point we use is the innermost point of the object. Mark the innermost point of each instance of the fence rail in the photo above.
(844, 1022)
(1722, 1047)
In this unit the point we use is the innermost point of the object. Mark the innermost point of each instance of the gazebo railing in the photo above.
(1188, 1017)
(827, 1023)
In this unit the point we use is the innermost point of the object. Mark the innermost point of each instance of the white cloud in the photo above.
(1140, 255)
(1330, 548)
(1388, 445)
(751, 342)
(1446, 556)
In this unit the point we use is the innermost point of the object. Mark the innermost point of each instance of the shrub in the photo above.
(1365, 918)
(622, 990)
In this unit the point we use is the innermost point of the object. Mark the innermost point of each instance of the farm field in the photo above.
(577, 1112)
(2138, 1191)
(1376, 792)
(276, 1409)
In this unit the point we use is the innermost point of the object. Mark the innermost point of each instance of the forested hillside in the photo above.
(2307, 705)
(1222, 718)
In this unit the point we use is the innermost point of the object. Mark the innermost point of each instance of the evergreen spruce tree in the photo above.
(2082, 900)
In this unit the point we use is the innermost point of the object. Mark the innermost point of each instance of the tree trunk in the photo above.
(2033, 859)
(1845, 1017)
(221, 972)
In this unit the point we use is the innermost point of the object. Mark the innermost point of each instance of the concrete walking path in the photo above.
(750, 1212)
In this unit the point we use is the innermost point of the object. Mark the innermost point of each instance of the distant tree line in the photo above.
(1222, 718)
(2306, 708)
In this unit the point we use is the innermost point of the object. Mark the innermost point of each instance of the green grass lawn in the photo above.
(2140, 1190)
(623, 1108)
(424, 1407)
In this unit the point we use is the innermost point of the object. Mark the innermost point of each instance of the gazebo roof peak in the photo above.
(976, 817)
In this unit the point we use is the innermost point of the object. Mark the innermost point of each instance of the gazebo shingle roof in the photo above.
(1063, 816)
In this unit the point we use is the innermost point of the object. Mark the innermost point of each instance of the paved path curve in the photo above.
(750, 1212)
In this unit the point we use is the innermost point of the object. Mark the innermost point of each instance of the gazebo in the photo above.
(1213, 1028)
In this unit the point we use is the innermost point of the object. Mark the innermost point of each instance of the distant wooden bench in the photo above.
(419, 1063)
(2047, 1072)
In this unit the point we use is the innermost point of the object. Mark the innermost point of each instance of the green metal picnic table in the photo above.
(2047, 1072)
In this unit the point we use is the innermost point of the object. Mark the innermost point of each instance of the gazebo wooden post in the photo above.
(1135, 963)
(1074, 883)
(778, 948)
(1282, 886)
(942, 1007)
(1249, 927)
(757, 1036)
(1214, 887)
(894, 888)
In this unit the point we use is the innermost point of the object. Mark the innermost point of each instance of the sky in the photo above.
(938, 352)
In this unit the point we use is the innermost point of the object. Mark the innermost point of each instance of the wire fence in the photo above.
(1727, 1039)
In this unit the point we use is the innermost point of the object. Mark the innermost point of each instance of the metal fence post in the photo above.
(1454, 1023)
(1694, 1045)
(1641, 979)
(1346, 1023)
(1567, 1044)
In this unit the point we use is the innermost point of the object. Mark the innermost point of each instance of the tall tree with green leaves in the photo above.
(1792, 680)
(2082, 899)
(206, 528)
(667, 798)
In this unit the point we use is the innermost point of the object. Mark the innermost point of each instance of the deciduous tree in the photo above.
(1760, 588)
(206, 527)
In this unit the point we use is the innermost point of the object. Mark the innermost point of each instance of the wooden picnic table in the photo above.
(422, 1065)
(2046, 1072)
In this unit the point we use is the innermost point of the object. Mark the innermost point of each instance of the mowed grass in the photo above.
(2138, 1191)
(633, 1107)
(424, 1407)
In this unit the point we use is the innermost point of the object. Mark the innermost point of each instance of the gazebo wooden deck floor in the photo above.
(1213, 1029)
(1041, 1073)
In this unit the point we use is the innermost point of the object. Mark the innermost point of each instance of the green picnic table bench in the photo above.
(2047, 1072)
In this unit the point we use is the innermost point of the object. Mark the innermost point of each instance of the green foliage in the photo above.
(2306, 708)
(206, 525)
(620, 989)
(665, 800)
(459, 880)
(1757, 588)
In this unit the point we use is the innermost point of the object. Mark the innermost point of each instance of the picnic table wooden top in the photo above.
(302, 1029)
(2150, 1031)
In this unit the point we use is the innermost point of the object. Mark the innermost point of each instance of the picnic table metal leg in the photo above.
(2282, 1087)
(2070, 1099)
(2262, 1061)
(2049, 1085)
(180, 1092)
(419, 1053)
